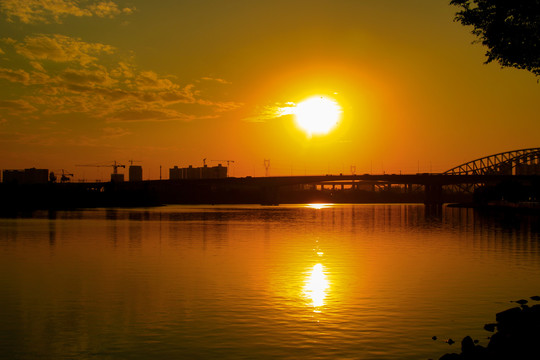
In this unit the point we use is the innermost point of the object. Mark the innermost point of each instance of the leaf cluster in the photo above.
(510, 29)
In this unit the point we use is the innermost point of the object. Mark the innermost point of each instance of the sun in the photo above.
(317, 115)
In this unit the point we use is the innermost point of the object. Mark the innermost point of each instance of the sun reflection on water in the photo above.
(316, 286)
(318, 206)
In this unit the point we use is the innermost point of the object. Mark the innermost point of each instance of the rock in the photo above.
(508, 316)
(517, 337)
(450, 357)
(522, 302)
(535, 298)
(433, 338)
(467, 345)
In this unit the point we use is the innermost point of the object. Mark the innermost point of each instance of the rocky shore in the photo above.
(516, 336)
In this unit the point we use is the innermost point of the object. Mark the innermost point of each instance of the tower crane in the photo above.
(115, 167)
(228, 161)
(64, 178)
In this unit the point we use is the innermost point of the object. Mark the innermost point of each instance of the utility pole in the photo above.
(267, 166)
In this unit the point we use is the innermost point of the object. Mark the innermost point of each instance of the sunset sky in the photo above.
(171, 82)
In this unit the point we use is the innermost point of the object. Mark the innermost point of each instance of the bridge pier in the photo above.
(433, 194)
(269, 195)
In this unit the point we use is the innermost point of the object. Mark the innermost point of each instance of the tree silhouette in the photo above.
(510, 29)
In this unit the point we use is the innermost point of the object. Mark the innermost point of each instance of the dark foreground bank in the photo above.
(517, 337)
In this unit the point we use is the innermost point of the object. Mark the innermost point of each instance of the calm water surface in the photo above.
(250, 282)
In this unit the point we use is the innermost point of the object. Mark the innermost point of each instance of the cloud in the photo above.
(149, 80)
(16, 76)
(23, 77)
(61, 48)
(136, 115)
(75, 79)
(220, 106)
(17, 106)
(123, 70)
(108, 9)
(271, 112)
(221, 81)
(46, 11)
(115, 132)
(87, 77)
(36, 65)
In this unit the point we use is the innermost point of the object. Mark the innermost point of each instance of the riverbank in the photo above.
(517, 336)
(525, 207)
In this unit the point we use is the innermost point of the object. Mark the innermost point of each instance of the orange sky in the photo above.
(172, 82)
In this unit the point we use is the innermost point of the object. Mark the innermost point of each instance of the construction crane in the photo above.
(115, 166)
(64, 178)
(228, 161)
(132, 161)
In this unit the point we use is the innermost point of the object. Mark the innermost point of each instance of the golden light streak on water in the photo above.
(318, 206)
(316, 286)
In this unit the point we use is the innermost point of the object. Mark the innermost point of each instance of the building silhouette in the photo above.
(191, 173)
(135, 173)
(26, 176)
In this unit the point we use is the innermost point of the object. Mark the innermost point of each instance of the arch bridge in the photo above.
(516, 162)
(521, 165)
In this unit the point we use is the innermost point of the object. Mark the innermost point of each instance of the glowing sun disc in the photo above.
(317, 115)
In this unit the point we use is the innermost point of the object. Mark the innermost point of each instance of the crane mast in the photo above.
(115, 176)
(227, 161)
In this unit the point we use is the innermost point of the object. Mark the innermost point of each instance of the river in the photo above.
(255, 282)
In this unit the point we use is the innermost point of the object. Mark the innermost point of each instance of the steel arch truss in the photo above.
(516, 162)
(506, 163)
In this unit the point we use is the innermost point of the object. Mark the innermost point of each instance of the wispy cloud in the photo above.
(60, 48)
(20, 76)
(24, 77)
(85, 77)
(221, 81)
(17, 106)
(149, 114)
(46, 11)
(115, 132)
(270, 112)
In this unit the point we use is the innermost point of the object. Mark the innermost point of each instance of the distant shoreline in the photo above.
(528, 207)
